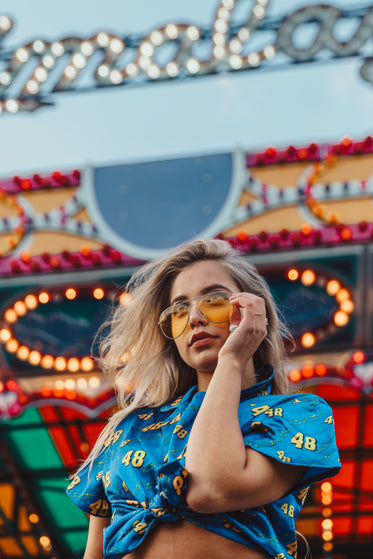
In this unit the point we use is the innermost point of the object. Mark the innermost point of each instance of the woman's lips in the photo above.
(201, 342)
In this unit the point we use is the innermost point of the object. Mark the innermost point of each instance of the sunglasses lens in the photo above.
(174, 320)
(216, 307)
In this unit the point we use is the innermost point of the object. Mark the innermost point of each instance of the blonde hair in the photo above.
(145, 367)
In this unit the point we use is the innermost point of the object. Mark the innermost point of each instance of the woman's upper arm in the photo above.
(263, 480)
(95, 548)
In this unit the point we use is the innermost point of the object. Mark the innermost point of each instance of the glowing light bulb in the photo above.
(87, 48)
(47, 361)
(20, 308)
(22, 54)
(293, 274)
(10, 316)
(308, 277)
(156, 38)
(332, 287)
(73, 365)
(172, 31)
(12, 345)
(58, 49)
(44, 297)
(98, 293)
(103, 39)
(31, 302)
(341, 318)
(12, 106)
(308, 339)
(23, 352)
(70, 293)
(60, 363)
(34, 358)
(5, 334)
(94, 382)
(86, 364)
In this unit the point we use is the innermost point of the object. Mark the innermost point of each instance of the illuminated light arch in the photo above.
(20, 308)
(334, 288)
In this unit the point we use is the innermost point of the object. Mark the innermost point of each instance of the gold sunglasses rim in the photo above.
(225, 293)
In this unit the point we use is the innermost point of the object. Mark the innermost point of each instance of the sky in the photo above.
(248, 110)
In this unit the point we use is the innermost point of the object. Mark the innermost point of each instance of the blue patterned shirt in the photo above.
(139, 478)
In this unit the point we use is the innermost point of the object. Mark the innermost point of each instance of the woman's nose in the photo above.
(195, 317)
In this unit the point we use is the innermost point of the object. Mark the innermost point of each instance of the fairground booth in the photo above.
(70, 241)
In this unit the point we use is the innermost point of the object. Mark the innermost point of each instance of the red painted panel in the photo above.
(342, 525)
(333, 392)
(368, 431)
(366, 480)
(345, 478)
(365, 525)
(346, 419)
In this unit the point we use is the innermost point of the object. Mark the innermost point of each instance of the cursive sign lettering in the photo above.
(170, 52)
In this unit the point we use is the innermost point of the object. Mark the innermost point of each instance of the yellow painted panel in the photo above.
(55, 243)
(31, 545)
(349, 211)
(82, 215)
(7, 499)
(44, 201)
(354, 167)
(7, 208)
(283, 175)
(272, 222)
(9, 548)
(7, 241)
(24, 524)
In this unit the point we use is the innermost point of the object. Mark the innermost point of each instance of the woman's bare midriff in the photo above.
(185, 540)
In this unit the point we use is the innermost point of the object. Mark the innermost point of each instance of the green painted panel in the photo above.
(60, 508)
(31, 443)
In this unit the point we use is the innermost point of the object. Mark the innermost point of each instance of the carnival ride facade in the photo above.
(71, 240)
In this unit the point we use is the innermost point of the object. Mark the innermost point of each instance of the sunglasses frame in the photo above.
(225, 293)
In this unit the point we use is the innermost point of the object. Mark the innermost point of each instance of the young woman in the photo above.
(209, 455)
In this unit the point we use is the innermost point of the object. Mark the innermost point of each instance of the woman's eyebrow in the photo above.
(204, 290)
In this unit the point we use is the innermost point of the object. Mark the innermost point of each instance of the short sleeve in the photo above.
(87, 491)
(297, 430)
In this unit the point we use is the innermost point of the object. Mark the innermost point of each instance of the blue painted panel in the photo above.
(161, 204)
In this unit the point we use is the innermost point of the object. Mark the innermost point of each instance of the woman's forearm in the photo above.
(216, 453)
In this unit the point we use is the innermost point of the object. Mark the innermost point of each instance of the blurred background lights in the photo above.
(33, 518)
